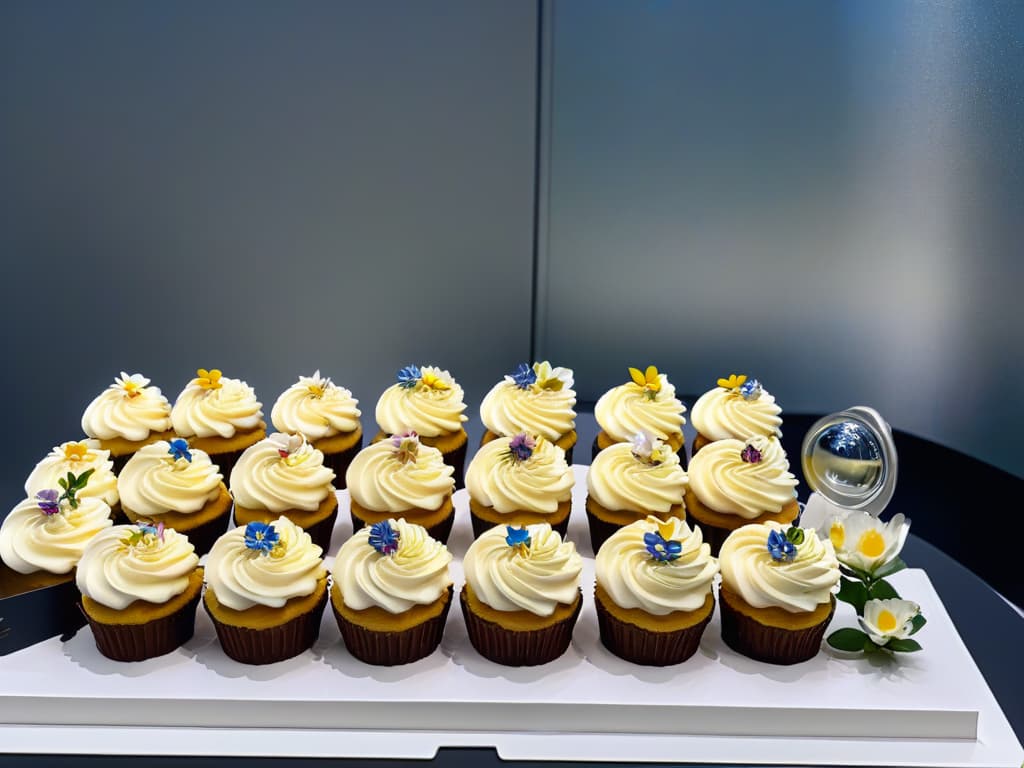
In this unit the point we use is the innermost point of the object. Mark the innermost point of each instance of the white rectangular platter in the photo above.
(929, 708)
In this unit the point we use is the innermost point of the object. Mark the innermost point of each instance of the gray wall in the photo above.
(263, 187)
(824, 194)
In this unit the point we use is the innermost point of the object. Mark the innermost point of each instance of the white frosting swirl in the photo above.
(32, 541)
(538, 484)
(633, 579)
(505, 579)
(200, 412)
(76, 457)
(128, 409)
(316, 407)
(427, 410)
(625, 410)
(241, 577)
(378, 481)
(618, 480)
(507, 409)
(721, 479)
(798, 586)
(154, 483)
(122, 564)
(263, 478)
(416, 574)
(723, 413)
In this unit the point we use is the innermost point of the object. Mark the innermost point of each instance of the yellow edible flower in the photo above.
(432, 381)
(649, 380)
(733, 382)
(75, 451)
(208, 379)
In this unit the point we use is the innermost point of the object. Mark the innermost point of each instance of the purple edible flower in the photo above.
(751, 455)
(48, 502)
(521, 446)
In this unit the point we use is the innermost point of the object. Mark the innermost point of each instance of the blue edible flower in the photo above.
(409, 376)
(517, 538)
(384, 538)
(781, 548)
(661, 550)
(524, 376)
(261, 536)
(179, 449)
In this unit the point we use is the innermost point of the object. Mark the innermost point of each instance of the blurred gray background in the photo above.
(824, 195)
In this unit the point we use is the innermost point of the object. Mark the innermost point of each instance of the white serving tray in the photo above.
(929, 708)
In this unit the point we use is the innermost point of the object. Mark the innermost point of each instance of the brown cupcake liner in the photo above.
(321, 531)
(440, 532)
(338, 462)
(265, 646)
(389, 649)
(118, 516)
(456, 459)
(137, 642)
(641, 646)
(772, 645)
(481, 526)
(226, 462)
(120, 461)
(713, 535)
(600, 530)
(518, 649)
(202, 537)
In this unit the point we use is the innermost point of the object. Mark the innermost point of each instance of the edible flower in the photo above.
(518, 538)
(132, 385)
(409, 377)
(75, 451)
(649, 381)
(433, 378)
(524, 376)
(292, 448)
(316, 384)
(782, 547)
(384, 538)
(886, 620)
(554, 379)
(864, 543)
(750, 454)
(261, 537)
(521, 447)
(660, 548)
(208, 379)
(406, 445)
(145, 534)
(48, 502)
(649, 449)
(750, 389)
(179, 450)
(71, 485)
(734, 382)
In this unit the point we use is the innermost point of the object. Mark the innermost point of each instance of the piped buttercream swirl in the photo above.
(627, 409)
(377, 480)
(316, 407)
(722, 413)
(154, 483)
(508, 409)
(32, 541)
(537, 484)
(428, 410)
(280, 473)
(76, 457)
(722, 480)
(221, 412)
(618, 480)
(129, 409)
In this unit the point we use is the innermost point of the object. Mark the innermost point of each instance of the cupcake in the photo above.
(733, 483)
(737, 408)
(126, 416)
(179, 487)
(535, 399)
(326, 415)
(266, 591)
(400, 477)
(518, 481)
(429, 402)
(648, 403)
(776, 591)
(140, 586)
(522, 594)
(219, 416)
(627, 482)
(77, 457)
(285, 475)
(43, 537)
(653, 591)
(391, 592)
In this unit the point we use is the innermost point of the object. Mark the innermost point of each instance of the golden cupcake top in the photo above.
(646, 403)
(76, 457)
(126, 563)
(280, 473)
(316, 407)
(657, 566)
(129, 409)
(426, 400)
(741, 478)
(537, 399)
(739, 407)
(393, 565)
(522, 473)
(212, 405)
(399, 474)
(168, 476)
(643, 475)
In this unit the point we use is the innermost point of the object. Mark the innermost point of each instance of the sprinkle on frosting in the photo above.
(649, 381)
(48, 501)
(518, 539)
(524, 377)
(521, 447)
(261, 537)
(750, 389)
(750, 454)
(734, 382)
(407, 446)
(178, 449)
(649, 449)
(209, 379)
(132, 385)
(384, 538)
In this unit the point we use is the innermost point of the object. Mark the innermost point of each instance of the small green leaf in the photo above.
(854, 593)
(848, 639)
(882, 590)
(917, 622)
(62, 483)
(870, 646)
(903, 646)
(890, 568)
(795, 535)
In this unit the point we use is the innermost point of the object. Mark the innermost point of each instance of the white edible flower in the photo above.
(552, 378)
(886, 620)
(864, 542)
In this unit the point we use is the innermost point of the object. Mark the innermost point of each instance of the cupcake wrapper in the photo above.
(202, 537)
(771, 644)
(518, 649)
(226, 462)
(568, 455)
(713, 536)
(641, 646)
(440, 532)
(481, 526)
(339, 462)
(390, 649)
(118, 516)
(265, 646)
(321, 532)
(137, 642)
(600, 530)
(120, 461)
(457, 460)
